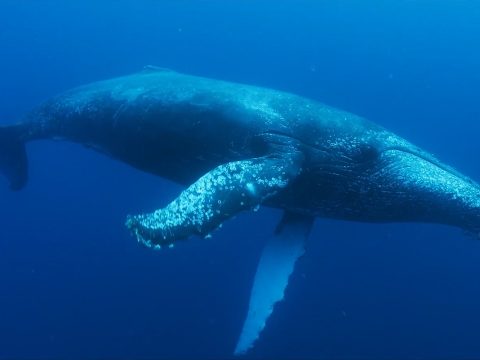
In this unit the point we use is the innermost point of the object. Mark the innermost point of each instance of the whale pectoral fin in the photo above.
(216, 197)
(271, 279)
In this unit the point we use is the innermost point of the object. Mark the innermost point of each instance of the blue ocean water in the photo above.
(75, 284)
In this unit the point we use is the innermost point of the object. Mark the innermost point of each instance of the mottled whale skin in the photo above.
(180, 127)
(236, 147)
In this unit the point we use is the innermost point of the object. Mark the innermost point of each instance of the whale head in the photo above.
(395, 181)
(427, 190)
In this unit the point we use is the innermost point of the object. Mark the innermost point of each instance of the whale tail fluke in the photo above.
(13, 156)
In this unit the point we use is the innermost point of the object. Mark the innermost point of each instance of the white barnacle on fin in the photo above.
(251, 188)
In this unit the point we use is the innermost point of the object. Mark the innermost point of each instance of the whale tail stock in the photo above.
(13, 155)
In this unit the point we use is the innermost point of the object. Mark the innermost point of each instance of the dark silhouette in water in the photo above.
(237, 147)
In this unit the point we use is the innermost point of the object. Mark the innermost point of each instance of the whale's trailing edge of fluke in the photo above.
(13, 156)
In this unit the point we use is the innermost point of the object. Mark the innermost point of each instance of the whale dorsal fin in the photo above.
(153, 68)
(271, 279)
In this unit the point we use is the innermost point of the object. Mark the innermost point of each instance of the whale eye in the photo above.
(366, 153)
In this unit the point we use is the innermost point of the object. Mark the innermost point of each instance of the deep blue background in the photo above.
(74, 283)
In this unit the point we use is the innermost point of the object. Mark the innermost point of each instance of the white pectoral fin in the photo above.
(271, 279)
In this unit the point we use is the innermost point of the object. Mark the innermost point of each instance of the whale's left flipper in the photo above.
(271, 279)
(217, 196)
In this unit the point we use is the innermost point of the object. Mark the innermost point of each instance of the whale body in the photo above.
(235, 147)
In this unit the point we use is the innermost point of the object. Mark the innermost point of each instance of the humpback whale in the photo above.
(235, 147)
